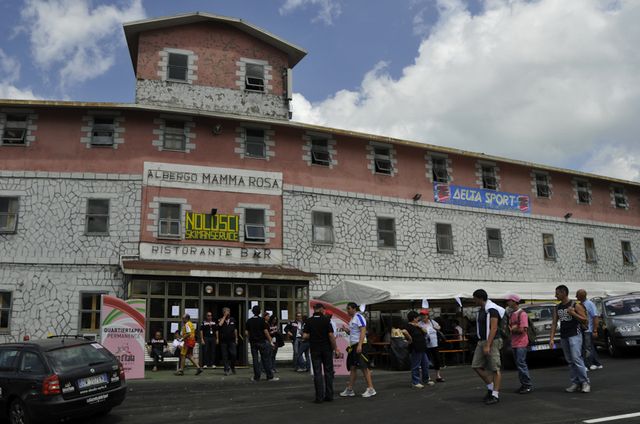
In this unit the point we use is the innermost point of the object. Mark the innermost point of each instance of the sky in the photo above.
(555, 82)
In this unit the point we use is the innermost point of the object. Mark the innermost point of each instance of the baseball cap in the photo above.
(424, 312)
(513, 297)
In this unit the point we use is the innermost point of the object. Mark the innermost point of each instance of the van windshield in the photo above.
(539, 313)
(73, 357)
(622, 306)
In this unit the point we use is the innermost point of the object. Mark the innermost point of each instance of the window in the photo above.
(178, 67)
(174, 136)
(254, 143)
(584, 197)
(97, 221)
(5, 310)
(440, 173)
(620, 198)
(494, 242)
(382, 160)
(169, 223)
(8, 214)
(320, 152)
(8, 358)
(255, 77)
(322, 227)
(590, 250)
(444, 238)
(102, 131)
(15, 130)
(628, 258)
(386, 232)
(90, 311)
(542, 186)
(32, 364)
(489, 180)
(254, 225)
(549, 247)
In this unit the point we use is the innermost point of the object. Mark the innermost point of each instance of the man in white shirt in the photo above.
(357, 352)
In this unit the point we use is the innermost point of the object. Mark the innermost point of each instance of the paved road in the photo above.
(211, 397)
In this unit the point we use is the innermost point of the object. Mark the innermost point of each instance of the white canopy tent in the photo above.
(370, 292)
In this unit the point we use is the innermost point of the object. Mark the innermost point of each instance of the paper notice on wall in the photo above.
(270, 313)
(425, 303)
(284, 314)
(192, 312)
(254, 303)
(174, 327)
(175, 311)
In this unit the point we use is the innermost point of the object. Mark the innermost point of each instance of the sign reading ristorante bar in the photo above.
(213, 179)
(210, 254)
(481, 198)
(218, 227)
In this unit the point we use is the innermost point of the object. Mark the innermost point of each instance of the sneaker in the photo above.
(369, 392)
(347, 393)
(301, 370)
(213, 367)
(154, 369)
(599, 367)
(525, 390)
(417, 386)
(573, 388)
(274, 379)
(179, 372)
(492, 400)
(204, 366)
(586, 387)
(199, 371)
(487, 396)
(430, 382)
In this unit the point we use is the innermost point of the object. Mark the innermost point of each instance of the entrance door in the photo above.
(237, 312)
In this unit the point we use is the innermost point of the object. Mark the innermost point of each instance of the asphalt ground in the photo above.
(212, 397)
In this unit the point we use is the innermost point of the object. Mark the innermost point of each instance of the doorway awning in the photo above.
(371, 292)
(187, 269)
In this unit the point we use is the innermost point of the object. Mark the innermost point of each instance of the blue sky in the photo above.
(549, 81)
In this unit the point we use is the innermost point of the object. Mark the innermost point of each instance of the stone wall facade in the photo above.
(355, 253)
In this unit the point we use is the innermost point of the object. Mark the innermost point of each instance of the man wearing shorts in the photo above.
(486, 358)
(357, 352)
(189, 336)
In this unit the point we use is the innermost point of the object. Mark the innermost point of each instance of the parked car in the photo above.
(619, 326)
(58, 378)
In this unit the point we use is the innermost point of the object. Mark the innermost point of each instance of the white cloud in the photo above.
(550, 81)
(76, 38)
(329, 9)
(9, 75)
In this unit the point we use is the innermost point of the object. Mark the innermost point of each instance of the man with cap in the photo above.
(518, 324)
(318, 331)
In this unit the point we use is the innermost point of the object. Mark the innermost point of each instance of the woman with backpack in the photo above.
(518, 325)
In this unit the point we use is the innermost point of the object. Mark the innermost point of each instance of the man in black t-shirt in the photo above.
(227, 337)
(208, 331)
(158, 344)
(257, 330)
(318, 331)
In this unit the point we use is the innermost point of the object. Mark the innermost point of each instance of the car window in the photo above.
(622, 306)
(539, 313)
(31, 363)
(72, 357)
(8, 358)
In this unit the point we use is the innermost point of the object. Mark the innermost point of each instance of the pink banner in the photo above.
(340, 319)
(122, 330)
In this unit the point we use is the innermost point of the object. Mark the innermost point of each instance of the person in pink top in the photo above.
(518, 324)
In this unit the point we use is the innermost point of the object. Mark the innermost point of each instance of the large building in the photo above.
(204, 194)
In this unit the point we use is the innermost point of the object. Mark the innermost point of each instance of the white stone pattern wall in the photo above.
(192, 60)
(331, 145)
(189, 130)
(355, 254)
(211, 99)
(154, 214)
(46, 298)
(269, 220)
(32, 118)
(428, 158)
(269, 141)
(371, 158)
(118, 128)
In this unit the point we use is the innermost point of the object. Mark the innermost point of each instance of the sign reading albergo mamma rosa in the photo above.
(219, 227)
(213, 179)
(481, 198)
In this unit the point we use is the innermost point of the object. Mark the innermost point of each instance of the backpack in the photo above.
(503, 327)
(531, 330)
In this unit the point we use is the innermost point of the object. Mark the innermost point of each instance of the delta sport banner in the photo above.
(122, 332)
(481, 198)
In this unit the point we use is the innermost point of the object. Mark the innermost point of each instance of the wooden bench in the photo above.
(461, 349)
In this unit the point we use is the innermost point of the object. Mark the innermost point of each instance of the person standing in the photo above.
(189, 338)
(591, 359)
(417, 337)
(208, 333)
(486, 357)
(518, 324)
(227, 337)
(571, 314)
(357, 352)
(276, 336)
(431, 327)
(294, 331)
(318, 331)
(257, 330)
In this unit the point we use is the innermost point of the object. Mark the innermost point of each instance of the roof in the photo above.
(187, 269)
(133, 29)
(53, 343)
(306, 127)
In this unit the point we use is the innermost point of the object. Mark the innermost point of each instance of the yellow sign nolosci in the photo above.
(201, 226)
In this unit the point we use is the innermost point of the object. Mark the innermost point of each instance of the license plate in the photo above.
(540, 347)
(94, 380)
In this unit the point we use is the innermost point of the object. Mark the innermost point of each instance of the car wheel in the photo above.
(612, 348)
(18, 413)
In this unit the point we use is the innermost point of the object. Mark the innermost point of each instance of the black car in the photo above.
(619, 326)
(58, 378)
